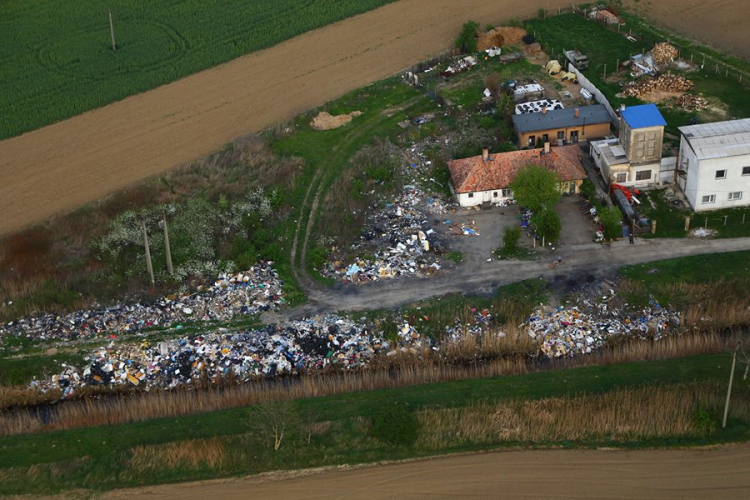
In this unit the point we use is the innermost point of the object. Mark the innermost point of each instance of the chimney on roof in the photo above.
(578, 113)
(485, 154)
(544, 110)
(546, 148)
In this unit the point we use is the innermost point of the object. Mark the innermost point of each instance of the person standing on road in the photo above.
(631, 238)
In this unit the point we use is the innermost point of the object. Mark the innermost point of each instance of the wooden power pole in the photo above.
(729, 391)
(148, 254)
(112, 32)
(166, 243)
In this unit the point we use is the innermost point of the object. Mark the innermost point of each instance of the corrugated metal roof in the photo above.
(645, 115)
(561, 118)
(720, 139)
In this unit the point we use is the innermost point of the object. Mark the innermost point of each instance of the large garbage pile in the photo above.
(571, 331)
(400, 240)
(667, 82)
(241, 294)
(294, 347)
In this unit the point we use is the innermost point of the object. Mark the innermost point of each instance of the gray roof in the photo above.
(561, 118)
(720, 139)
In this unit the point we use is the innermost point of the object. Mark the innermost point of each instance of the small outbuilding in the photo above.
(562, 126)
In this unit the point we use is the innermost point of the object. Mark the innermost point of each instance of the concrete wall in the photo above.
(642, 145)
(585, 83)
(474, 199)
(596, 131)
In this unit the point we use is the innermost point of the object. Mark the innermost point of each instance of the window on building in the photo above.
(494, 194)
(711, 198)
(737, 195)
(545, 138)
(621, 177)
(643, 175)
(506, 193)
(745, 170)
(560, 135)
(573, 136)
(532, 141)
(471, 195)
(721, 174)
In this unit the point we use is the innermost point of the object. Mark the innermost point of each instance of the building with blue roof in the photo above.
(635, 158)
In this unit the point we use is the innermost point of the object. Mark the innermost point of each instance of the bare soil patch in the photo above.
(62, 166)
(693, 473)
(326, 121)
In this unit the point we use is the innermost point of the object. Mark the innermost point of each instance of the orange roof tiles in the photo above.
(471, 175)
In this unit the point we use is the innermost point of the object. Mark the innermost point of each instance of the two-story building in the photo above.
(635, 158)
(562, 126)
(714, 164)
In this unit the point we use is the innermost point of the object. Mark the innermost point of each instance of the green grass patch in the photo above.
(104, 458)
(21, 371)
(58, 59)
(707, 268)
(671, 218)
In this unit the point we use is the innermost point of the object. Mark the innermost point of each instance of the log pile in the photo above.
(689, 102)
(664, 53)
(668, 82)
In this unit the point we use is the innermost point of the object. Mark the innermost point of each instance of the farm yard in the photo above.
(316, 294)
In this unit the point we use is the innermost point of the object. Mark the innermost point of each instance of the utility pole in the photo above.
(729, 390)
(112, 32)
(166, 243)
(148, 253)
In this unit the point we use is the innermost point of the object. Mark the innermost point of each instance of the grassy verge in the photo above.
(450, 417)
(727, 222)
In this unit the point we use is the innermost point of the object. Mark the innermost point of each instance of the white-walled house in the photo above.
(714, 164)
(487, 178)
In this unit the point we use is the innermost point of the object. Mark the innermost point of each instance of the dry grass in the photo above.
(193, 454)
(401, 371)
(38, 263)
(620, 415)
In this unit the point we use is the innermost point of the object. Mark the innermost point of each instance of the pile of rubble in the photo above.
(404, 243)
(250, 292)
(668, 82)
(664, 53)
(295, 347)
(570, 331)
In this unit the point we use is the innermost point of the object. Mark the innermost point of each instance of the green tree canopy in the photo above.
(548, 224)
(611, 219)
(535, 188)
(467, 39)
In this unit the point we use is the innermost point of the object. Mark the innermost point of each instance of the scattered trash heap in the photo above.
(241, 294)
(571, 331)
(400, 238)
(290, 348)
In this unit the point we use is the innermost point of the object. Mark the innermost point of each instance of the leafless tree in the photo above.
(275, 420)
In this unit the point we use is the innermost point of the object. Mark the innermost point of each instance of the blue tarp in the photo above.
(645, 115)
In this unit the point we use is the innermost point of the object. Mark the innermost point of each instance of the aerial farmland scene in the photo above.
(375, 249)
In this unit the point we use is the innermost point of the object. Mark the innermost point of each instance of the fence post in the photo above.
(725, 219)
(743, 218)
(687, 223)
(705, 226)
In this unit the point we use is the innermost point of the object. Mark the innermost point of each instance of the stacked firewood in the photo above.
(668, 82)
(689, 102)
(664, 53)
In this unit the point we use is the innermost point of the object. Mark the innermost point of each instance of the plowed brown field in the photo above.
(647, 474)
(59, 167)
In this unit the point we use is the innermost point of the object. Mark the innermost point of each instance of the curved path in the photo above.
(59, 167)
(722, 473)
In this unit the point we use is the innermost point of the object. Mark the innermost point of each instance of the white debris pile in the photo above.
(295, 347)
(568, 331)
(246, 293)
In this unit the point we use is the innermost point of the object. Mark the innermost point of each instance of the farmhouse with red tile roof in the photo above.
(487, 178)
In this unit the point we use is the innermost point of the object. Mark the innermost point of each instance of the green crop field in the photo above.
(56, 58)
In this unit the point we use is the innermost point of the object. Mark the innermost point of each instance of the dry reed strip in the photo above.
(192, 454)
(621, 415)
(405, 370)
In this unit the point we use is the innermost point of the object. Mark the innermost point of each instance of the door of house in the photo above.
(574, 136)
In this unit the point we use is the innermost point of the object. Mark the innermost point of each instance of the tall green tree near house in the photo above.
(536, 188)
(548, 224)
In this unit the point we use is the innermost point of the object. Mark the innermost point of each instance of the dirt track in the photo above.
(64, 165)
(652, 474)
